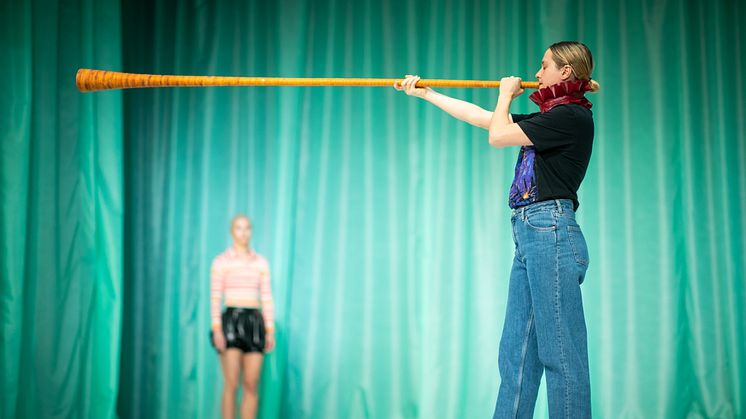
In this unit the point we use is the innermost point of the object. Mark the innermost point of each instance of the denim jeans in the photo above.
(544, 327)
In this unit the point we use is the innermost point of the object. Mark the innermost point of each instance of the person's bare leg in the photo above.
(230, 360)
(252, 369)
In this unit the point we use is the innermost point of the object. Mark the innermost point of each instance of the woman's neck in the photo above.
(242, 248)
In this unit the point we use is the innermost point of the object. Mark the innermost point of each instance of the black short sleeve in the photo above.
(559, 127)
(520, 116)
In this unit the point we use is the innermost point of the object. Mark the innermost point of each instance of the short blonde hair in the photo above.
(239, 217)
(578, 57)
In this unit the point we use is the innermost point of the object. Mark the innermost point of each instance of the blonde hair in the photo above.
(239, 217)
(578, 57)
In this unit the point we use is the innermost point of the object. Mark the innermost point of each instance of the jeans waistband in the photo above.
(561, 205)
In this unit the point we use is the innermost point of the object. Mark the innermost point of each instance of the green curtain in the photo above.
(386, 223)
(61, 187)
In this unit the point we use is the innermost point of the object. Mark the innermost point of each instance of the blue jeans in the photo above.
(544, 327)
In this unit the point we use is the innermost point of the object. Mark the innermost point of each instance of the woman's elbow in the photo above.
(496, 140)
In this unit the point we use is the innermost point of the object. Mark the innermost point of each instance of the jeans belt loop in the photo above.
(559, 205)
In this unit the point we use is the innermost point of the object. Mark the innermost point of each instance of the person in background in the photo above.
(244, 331)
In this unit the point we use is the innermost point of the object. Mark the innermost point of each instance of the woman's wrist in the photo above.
(503, 102)
(505, 96)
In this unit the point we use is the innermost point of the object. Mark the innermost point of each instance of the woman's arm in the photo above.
(268, 310)
(503, 132)
(216, 295)
(459, 109)
(265, 293)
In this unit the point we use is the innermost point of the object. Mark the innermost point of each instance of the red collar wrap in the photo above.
(571, 91)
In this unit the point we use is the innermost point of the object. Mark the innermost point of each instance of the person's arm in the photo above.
(265, 291)
(503, 132)
(216, 297)
(459, 109)
(268, 311)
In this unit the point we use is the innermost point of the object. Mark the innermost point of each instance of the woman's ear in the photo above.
(566, 72)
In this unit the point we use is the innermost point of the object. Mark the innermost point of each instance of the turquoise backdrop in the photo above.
(61, 211)
(385, 222)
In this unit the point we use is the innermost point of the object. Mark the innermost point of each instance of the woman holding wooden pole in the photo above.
(544, 328)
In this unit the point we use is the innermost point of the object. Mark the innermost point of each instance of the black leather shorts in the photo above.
(243, 329)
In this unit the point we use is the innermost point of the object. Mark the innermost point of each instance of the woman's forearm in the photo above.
(501, 117)
(459, 109)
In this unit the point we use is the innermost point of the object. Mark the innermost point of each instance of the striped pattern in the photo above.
(241, 280)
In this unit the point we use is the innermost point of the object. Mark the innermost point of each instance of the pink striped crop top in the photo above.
(241, 281)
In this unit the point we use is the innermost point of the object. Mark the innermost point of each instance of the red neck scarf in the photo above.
(571, 91)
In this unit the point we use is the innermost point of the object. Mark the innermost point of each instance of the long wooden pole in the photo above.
(95, 80)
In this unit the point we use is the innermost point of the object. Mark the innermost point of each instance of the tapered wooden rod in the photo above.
(94, 80)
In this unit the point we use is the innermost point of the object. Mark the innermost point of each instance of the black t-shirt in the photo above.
(556, 164)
